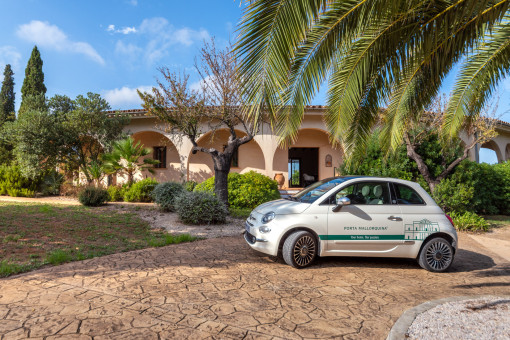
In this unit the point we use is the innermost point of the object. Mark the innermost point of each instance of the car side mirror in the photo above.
(340, 202)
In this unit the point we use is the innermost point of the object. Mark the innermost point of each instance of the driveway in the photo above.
(220, 288)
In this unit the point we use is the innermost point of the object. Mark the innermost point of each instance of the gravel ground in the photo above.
(171, 222)
(477, 319)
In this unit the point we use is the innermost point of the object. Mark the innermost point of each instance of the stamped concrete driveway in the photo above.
(220, 288)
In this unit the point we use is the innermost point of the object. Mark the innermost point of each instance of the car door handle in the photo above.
(395, 218)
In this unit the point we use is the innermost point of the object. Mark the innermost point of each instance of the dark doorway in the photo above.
(303, 167)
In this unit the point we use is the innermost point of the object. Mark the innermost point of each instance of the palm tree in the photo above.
(372, 53)
(128, 157)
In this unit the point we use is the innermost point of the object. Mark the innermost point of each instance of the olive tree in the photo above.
(217, 104)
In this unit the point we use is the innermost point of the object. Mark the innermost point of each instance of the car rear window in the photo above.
(406, 195)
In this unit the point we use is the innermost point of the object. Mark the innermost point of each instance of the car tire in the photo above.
(300, 249)
(436, 255)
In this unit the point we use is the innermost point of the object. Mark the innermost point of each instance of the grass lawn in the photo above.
(498, 221)
(33, 235)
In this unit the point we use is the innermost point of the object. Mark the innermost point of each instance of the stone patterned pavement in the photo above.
(221, 289)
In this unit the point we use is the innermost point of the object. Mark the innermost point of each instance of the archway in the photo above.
(507, 152)
(170, 168)
(492, 156)
(249, 157)
(311, 152)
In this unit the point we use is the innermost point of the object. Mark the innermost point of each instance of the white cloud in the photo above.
(50, 36)
(123, 30)
(125, 97)
(200, 84)
(128, 49)
(133, 2)
(9, 55)
(159, 36)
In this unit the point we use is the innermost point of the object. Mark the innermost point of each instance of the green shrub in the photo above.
(246, 190)
(51, 183)
(469, 221)
(141, 191)
(240, 212)
(164, 195)
(116, 193)
(490, 185)
(13, 183)
(200, 208)
(93, 197)
(190, 185)
(452, 196)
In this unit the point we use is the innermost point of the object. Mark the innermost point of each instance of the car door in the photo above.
(420, 220)
(371, 223)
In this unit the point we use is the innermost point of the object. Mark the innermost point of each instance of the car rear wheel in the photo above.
(300, 249)
(436, 255)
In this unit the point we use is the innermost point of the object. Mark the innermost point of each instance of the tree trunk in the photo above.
(422, 167)
(221, 170)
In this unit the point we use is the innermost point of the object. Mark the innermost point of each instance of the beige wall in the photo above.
(201, 167)
(173, 171)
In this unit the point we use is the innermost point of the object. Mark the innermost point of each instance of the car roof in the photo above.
(347, 178)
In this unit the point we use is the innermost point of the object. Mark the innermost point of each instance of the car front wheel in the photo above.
(300, 249)
(436, 255)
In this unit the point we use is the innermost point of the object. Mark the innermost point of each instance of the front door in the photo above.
(303, 167)
(370, 223)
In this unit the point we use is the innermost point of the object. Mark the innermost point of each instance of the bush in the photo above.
(469, 221)
(200, 208)
(190, 185)
(490, 185)
(246, 190)
(51, 183)
(164, 195)
(141, 191)
(452, 196)
(13, 183)
(116, 193)
(93, 197)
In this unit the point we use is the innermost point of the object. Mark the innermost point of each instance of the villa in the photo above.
(310, 158)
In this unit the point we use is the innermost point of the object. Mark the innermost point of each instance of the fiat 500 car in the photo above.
(355, 216)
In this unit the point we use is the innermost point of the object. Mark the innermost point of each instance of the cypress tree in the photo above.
(7, 96)
(33, 84)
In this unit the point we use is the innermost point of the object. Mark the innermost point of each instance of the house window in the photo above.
(160, 155)
(235, 157)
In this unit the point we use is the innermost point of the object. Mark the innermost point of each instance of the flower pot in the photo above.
(279, 179)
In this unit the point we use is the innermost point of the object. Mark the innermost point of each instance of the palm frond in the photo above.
(480, 74)
(271, 30)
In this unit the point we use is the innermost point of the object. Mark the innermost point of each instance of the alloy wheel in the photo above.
(304, 251)
(438, 256)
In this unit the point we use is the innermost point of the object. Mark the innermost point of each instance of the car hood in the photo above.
(282, 207)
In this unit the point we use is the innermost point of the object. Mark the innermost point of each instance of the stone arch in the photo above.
(492, 145)
(200, 164)
(172, 169)
(309, 138)
(507, 152)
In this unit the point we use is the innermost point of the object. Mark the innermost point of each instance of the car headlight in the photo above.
(264, 229)
(268, 217)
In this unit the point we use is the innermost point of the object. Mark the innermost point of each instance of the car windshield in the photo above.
(316, 190)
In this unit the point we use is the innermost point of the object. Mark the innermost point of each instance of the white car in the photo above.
(355, 216)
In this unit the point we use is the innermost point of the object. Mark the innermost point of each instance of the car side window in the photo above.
(406, 195)
(370, 193)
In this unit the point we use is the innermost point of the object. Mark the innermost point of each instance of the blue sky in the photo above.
(114, 47)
